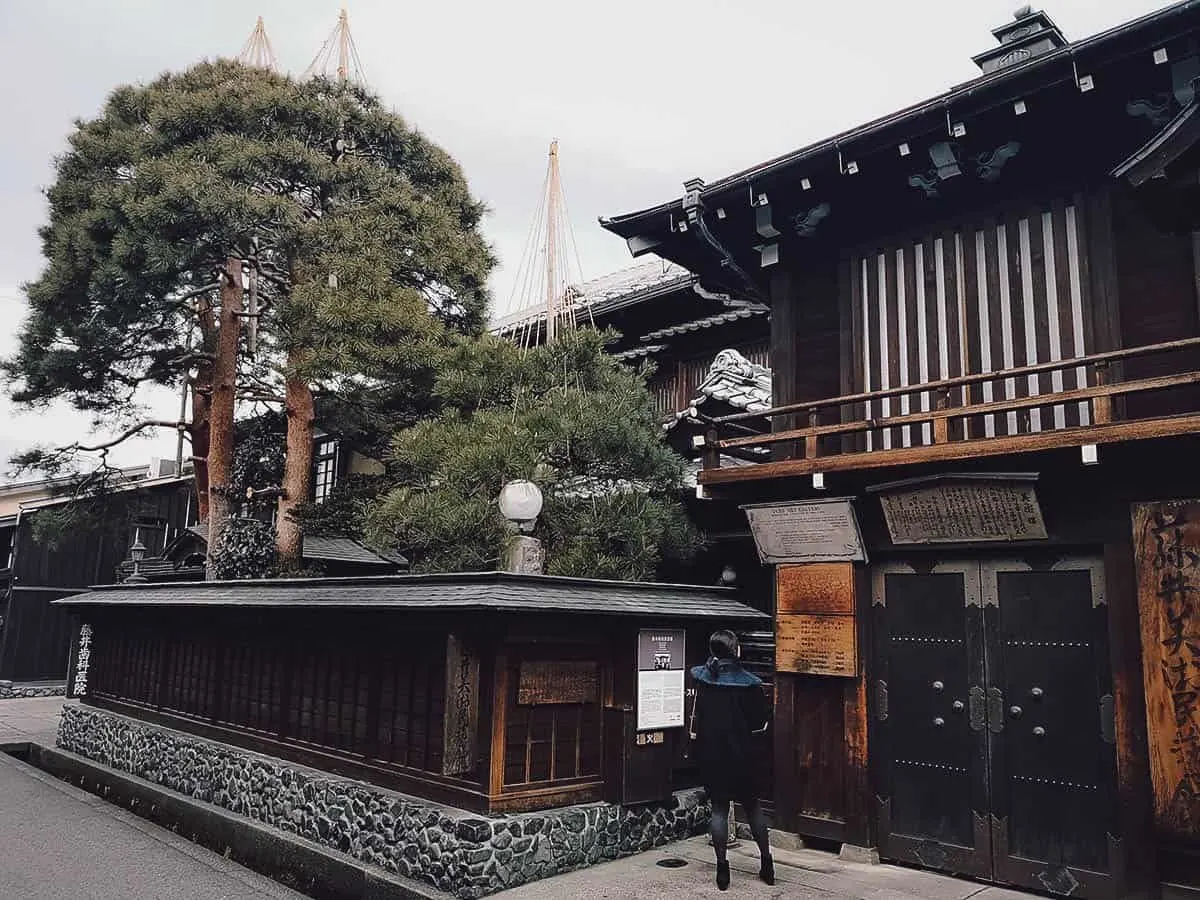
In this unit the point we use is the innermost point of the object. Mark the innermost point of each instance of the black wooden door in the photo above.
(993, 750)
(929, 745)
(1052, 748)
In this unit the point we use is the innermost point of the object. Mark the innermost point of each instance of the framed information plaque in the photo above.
(816, 645)
(800, 531)
(976, 507)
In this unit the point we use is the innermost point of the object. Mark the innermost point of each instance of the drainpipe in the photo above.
(693, 209)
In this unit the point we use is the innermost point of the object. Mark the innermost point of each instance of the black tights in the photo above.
(720, 827)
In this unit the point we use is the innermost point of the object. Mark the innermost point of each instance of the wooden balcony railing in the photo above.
(954, 424)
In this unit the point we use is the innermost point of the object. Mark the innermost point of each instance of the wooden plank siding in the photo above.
(1001, 293)
(1156, 280)
(310, 690)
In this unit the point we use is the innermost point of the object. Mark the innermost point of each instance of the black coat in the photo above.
(731, 715)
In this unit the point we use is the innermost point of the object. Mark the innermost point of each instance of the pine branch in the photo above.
(125, 435)
(259, 397)
(196, 292)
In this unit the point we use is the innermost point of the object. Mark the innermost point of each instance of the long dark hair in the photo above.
(722, 644)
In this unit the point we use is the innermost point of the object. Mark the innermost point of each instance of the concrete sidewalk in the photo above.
(61, 843)
(799, 873)
(33, 721)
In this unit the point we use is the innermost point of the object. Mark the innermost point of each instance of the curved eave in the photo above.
(1153, 158)
(658, 218)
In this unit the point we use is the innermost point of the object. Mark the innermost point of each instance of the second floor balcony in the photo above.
(1104, 398)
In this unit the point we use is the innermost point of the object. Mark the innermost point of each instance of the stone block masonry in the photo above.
(463, 853)
(10, 691)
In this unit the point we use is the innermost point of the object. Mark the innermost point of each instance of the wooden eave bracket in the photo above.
(1153, 158)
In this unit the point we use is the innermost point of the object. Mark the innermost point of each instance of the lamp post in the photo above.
(137, 552)
(521, 503)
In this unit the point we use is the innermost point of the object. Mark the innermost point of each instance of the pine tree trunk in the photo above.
(221, 409)
(200, 428)
(201, 431)
(297, 472)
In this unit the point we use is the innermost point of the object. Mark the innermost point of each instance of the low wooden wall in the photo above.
(362, 695)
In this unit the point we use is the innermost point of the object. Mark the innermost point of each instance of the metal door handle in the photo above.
(937, 686)
(995, 710)
(939, 721)
(1015, 712)
(1039, 731)
(1036, 693)
(957, 706)
(975, 712)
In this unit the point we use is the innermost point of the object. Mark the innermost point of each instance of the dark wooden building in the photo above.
(492, 692)
(45, 565)
(985, 350)
(151, 503)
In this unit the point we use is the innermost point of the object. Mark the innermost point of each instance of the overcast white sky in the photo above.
(642, 94)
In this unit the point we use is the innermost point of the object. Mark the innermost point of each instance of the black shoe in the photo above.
(766, 870)
(722, 876)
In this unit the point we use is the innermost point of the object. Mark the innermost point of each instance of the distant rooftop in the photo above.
(607, 293)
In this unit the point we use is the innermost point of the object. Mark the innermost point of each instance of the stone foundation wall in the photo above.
(10, 691)
(463, 853)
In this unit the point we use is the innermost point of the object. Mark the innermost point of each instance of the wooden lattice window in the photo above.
(554, 736)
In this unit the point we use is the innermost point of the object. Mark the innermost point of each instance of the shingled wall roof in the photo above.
(465, 592)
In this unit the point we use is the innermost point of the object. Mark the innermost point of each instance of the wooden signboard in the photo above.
(461, 724)
(816, 645)
(806, 531)
(989, 509)
(1167, 556)
(815, 588)
(558, 681)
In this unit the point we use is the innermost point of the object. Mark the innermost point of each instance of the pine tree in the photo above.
(357, 238)
(565, 415)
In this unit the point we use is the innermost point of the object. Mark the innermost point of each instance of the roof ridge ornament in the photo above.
(1030, 34)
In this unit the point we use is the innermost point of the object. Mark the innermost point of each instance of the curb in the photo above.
(292, 861)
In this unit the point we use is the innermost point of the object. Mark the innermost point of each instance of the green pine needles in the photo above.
(567, 416)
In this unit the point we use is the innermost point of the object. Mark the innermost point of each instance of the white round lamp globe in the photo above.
(521, 502)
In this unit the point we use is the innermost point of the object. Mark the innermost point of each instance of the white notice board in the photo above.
(661, 673)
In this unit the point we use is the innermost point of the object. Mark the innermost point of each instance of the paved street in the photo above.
(801, 873)
(61, 842)
(30, 721)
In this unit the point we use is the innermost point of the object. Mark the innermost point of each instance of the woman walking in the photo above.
(729, 719)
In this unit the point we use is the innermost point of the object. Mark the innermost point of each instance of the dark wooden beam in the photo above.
(1135, 802)
(957, 450)
(783, 352)
(1104, 391)
(499, 724)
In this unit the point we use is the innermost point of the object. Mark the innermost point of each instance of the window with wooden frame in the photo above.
(553, 726)
(325, 462)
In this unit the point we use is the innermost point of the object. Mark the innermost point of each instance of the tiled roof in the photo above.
(329, 549)
(339, 549)
(607, 292)
(738, 382)
(466, 592)
(691, 474)
(735, 380)
(635, 352)
(740, 312)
